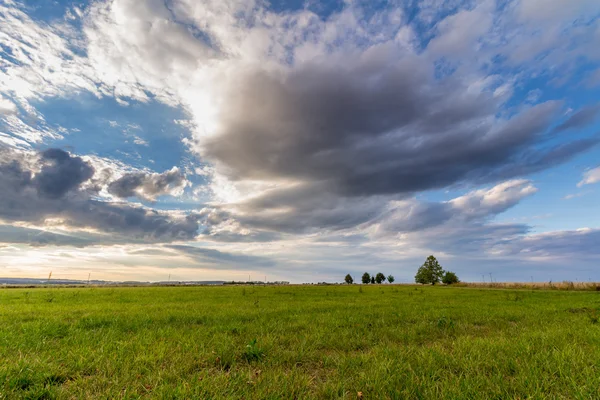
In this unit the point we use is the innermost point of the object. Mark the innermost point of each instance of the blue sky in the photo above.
(299, 140)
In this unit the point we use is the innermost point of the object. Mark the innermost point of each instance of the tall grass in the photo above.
(564, 285)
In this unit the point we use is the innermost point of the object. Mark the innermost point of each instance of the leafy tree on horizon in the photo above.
(366, 278)
(349, 279)
(391, 279)
(380, 277)
(449, 278)
(430, 272)
(372, 279)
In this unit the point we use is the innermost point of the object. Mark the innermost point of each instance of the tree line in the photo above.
(430, 273)
(367, 278)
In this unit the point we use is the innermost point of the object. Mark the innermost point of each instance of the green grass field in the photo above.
(299, 342)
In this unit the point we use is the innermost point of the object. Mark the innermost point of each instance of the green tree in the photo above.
(372, 279)
(379, 278)
(430, 272)
(391, 278)
(449, 278)
(366, 278)
(349, 279)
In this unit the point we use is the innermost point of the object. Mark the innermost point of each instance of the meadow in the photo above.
(299, 342)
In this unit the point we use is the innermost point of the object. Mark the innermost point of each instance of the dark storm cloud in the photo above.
(369, 128)
(147, 186)
(60, 173)
(340, 141)
(579, 119)
(50, 185)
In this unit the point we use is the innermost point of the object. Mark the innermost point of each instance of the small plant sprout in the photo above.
(253, 351)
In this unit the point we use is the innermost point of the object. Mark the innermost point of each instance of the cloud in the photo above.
(219, 258)
(540, 10)
(473, 208)
(590, 176)
(7, 107)
(38, 61)
(580, 119)
(60, 173)
(137, 45)
(49, 188)
(308, 127)
(139, 141)
(482, 203)
(574, 195)
(458, 33)
(39, 237)
(325, 142)
(336, 106)
(380, 130)
(149, 186)
(549, 245)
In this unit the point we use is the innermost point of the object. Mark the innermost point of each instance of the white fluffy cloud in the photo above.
(495, 200)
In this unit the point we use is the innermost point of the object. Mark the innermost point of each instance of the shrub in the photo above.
(391, 279)
(449, 278)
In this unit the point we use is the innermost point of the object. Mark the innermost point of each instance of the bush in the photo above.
(391, 279)
(449, 278)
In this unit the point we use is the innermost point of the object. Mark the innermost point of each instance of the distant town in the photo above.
(20, 282)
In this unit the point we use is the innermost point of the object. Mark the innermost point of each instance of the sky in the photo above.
(299, 141)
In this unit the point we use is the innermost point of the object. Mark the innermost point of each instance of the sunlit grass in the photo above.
(299, 342)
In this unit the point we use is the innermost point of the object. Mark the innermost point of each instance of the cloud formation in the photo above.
(472, 211)
(590, 176)
(7, 107)
(229, 260)
(60, 173)
(148, 186)
(373, 129)
(580, 119)
(306, 127)
(552, 245)
(49, 189)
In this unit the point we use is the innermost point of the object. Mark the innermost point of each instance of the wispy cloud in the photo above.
(590, 176)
